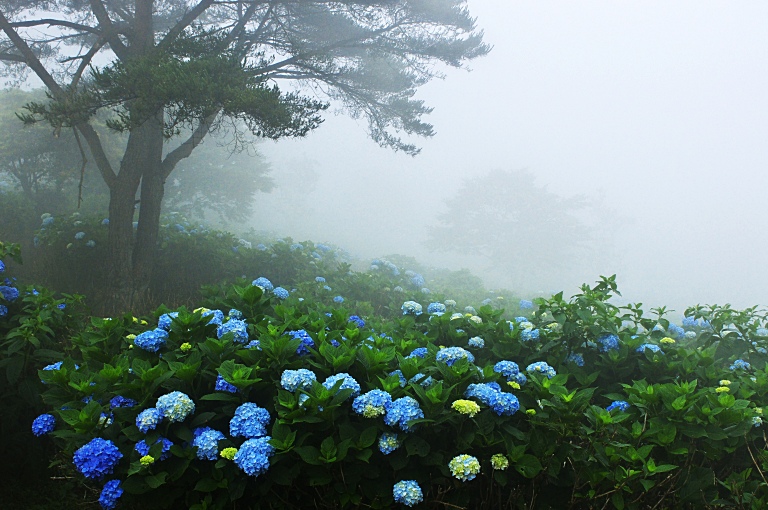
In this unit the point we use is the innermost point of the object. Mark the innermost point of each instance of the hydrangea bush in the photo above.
(301, 405)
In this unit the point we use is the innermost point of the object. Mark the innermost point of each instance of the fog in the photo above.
(657, 108)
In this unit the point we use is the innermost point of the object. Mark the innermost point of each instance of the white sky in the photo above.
(660, 106)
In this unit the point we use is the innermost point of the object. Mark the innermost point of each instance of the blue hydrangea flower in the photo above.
(2, 267)
(402, 411)
(470, 310)
(411, 308)
(105, 221)
(675, 331)
(400, 376)
(110, 493)
(306, 341)
(484, 392)
(217, 316)
(652, 347)
(508, 369)
(348, 384)
(476, 342)
(505, 404)
(388, 443)
(338, 299)
(164, 322)
(541, 367)
(143, 448)
(10, 294)
(360, 323)
(148, 419)
(417, 281)
(621, 405)
(3, 310)
(486, 302)
(450, 355)
(608, 343)
(418, 352)
(97, 458)
(319, 279)
(280, 293)
(234, 313)
(302, 378)
(253, 456)
(262, 282)
(250, 421)
(237, 327)
(253, 344)
(424, 382)
(576, 358)
(740, 364)
(119, 401)
(528, 335)
(464, 467)
(208, 444)
(91, 243)
(43, 424)
(151, 341)
(526, 304)
(175, 406)
(372, 404)
(223, 385)
(79, 235)
(407, 492)
(436, 309)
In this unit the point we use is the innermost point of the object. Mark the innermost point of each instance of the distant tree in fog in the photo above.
(528, 236)
(216, 181)
(161, 68)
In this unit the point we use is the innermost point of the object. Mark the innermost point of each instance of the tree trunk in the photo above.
(142, 158)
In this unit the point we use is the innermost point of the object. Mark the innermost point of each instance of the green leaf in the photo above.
(528, 466)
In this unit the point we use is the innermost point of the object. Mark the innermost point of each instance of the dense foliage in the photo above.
(294, 396)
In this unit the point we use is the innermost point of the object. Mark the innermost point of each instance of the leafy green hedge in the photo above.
(579, 404)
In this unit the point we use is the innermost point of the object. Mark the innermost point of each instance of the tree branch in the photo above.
(184, 22)
(56, 22)
(185, 149)
(108, 29)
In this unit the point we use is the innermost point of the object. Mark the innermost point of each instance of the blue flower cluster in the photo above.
(253, 456)
(165, 320)
(301, 378)
(403, 410)
(97, 458)
(608, 343)
(436, 308)
(207, 443)
(151, 341)
(476, 342)
(621, 405)
(490, 394)
(675, 331)
(411, 308)
(175, 406)
(508, 369)
(306, 341)
(338, 299)
(525, 304)
(373, 403)
(10, 294)
(450, 355)
(651, 347)
(148, 419)
(223, 385)
(143, 448)
(120, 401)
(528, 335)
(262, 282)
(388, 443)
(348, 383)
(576, 358)
(541, 367)
(418, 352)
(360, 323)
(250, 421)
(43, 424)
(740, 364)
(407, 492)
(110, 493)
(239, 329)
(280, 293)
